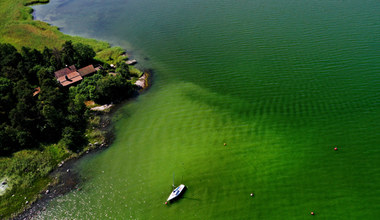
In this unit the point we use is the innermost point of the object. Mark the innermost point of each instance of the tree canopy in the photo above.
(27, 118)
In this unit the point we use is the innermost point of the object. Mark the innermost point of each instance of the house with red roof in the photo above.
(69, 76)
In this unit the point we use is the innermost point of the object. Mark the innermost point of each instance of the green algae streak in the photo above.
(281, 82)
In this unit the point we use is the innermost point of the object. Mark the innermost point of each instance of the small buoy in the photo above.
(251, 194)
(312, 213)
(335, 148)
(225, 144)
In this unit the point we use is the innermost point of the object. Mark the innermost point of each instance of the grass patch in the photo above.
(93, 133)
(112, 55)
(135, 72)
(16, 199)
(27, 175)
(18, 28)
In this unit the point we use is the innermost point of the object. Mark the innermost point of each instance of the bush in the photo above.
(73, 139)
(113, 89)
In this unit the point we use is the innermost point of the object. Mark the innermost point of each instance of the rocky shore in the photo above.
(64, 178)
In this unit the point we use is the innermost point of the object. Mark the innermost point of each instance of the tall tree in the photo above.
(56, 59)
(67, 53)
(51, 105)
(123, 69)
(9, 56)
(7, 100)
(46, 56)
(113, 88)
(83, 55)
(23, 116)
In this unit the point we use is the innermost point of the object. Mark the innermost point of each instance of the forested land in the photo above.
(56, 112)
(41, 127)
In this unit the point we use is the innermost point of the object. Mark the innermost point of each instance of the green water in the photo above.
(282, 82)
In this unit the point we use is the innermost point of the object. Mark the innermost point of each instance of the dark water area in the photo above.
(282, 83)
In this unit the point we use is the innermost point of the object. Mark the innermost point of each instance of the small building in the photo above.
(87, 71)
(70, 75)
(70, 78)
(65, 71)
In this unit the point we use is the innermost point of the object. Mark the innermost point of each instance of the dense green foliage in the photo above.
(38, 129)
(55, 113)
(104, 89)
(55, 119)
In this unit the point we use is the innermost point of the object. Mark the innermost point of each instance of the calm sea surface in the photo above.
(282, 82)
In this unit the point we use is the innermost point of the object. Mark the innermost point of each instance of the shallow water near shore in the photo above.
(280, 82)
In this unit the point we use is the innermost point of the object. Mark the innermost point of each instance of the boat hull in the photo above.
(177, 193)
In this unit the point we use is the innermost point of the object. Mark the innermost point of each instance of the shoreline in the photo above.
(63, 180)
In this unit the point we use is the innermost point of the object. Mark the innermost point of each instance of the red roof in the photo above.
(62, 72)
(65, 71)
(70, 78)
(87, 70)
